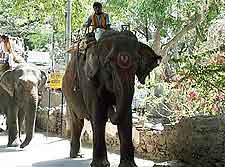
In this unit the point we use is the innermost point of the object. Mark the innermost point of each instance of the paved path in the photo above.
(50, 152)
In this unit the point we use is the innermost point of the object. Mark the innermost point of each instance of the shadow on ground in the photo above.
(3, 133)
(63, 162)
(4, 149)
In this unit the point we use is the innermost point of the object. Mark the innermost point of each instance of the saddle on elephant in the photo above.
(78, 49)
(82, 44)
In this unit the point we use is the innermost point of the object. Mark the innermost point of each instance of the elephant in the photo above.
(20, 91)
(98, 85)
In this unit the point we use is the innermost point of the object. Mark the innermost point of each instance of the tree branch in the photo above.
(156, 42)
(194, 21)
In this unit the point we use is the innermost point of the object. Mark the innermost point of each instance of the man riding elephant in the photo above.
(99, 20)
(4, 58)
(9, 59)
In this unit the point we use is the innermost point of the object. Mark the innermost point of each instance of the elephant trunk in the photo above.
(30, 116)
(124, 95)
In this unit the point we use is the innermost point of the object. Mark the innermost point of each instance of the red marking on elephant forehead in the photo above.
(124, 60)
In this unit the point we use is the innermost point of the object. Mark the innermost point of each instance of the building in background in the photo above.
(41, 59)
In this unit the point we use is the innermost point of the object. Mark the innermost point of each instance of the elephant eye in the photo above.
(108, 46)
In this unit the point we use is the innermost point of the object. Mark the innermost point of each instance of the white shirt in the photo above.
(1, 47)
(8, 56)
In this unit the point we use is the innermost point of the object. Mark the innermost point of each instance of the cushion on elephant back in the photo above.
(112, 34)
(83, 44)
(111, 39)
(78, 46)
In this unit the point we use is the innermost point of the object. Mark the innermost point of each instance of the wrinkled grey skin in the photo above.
(105, 83)
(19, 94)
(5, 102)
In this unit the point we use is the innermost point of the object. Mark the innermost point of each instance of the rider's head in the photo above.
(4, 38)
(97, 6)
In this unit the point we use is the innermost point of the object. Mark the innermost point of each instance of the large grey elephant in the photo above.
(20, 91)
(99, 85)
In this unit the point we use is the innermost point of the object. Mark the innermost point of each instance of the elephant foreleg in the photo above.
(12, 126)
(99, 146)
(76, 129)
(126, 144)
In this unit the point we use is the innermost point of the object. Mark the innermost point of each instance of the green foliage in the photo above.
(38, 41)
(27, 19)
(21, 17)
(201, 77)
(198, 83)
(198, 88)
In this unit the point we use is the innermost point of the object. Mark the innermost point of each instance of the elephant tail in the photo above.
(30, 117)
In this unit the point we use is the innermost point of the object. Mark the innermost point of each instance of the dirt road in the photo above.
(50, 152)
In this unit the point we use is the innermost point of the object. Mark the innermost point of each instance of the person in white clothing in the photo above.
(7, 51)
(4, 65)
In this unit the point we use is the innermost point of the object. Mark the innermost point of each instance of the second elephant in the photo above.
(21, 88)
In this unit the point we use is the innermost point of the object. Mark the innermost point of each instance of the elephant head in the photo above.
(147, 62)
(23, 73)
(120, 57)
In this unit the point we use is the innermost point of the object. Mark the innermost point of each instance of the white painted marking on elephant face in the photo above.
(124, 58)
(114, 108)
(158, 61)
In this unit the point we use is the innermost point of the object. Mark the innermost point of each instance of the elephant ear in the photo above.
(7, 82)
(92, 63)
(148, 60)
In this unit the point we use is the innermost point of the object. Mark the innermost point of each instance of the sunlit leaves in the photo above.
(204, 73)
